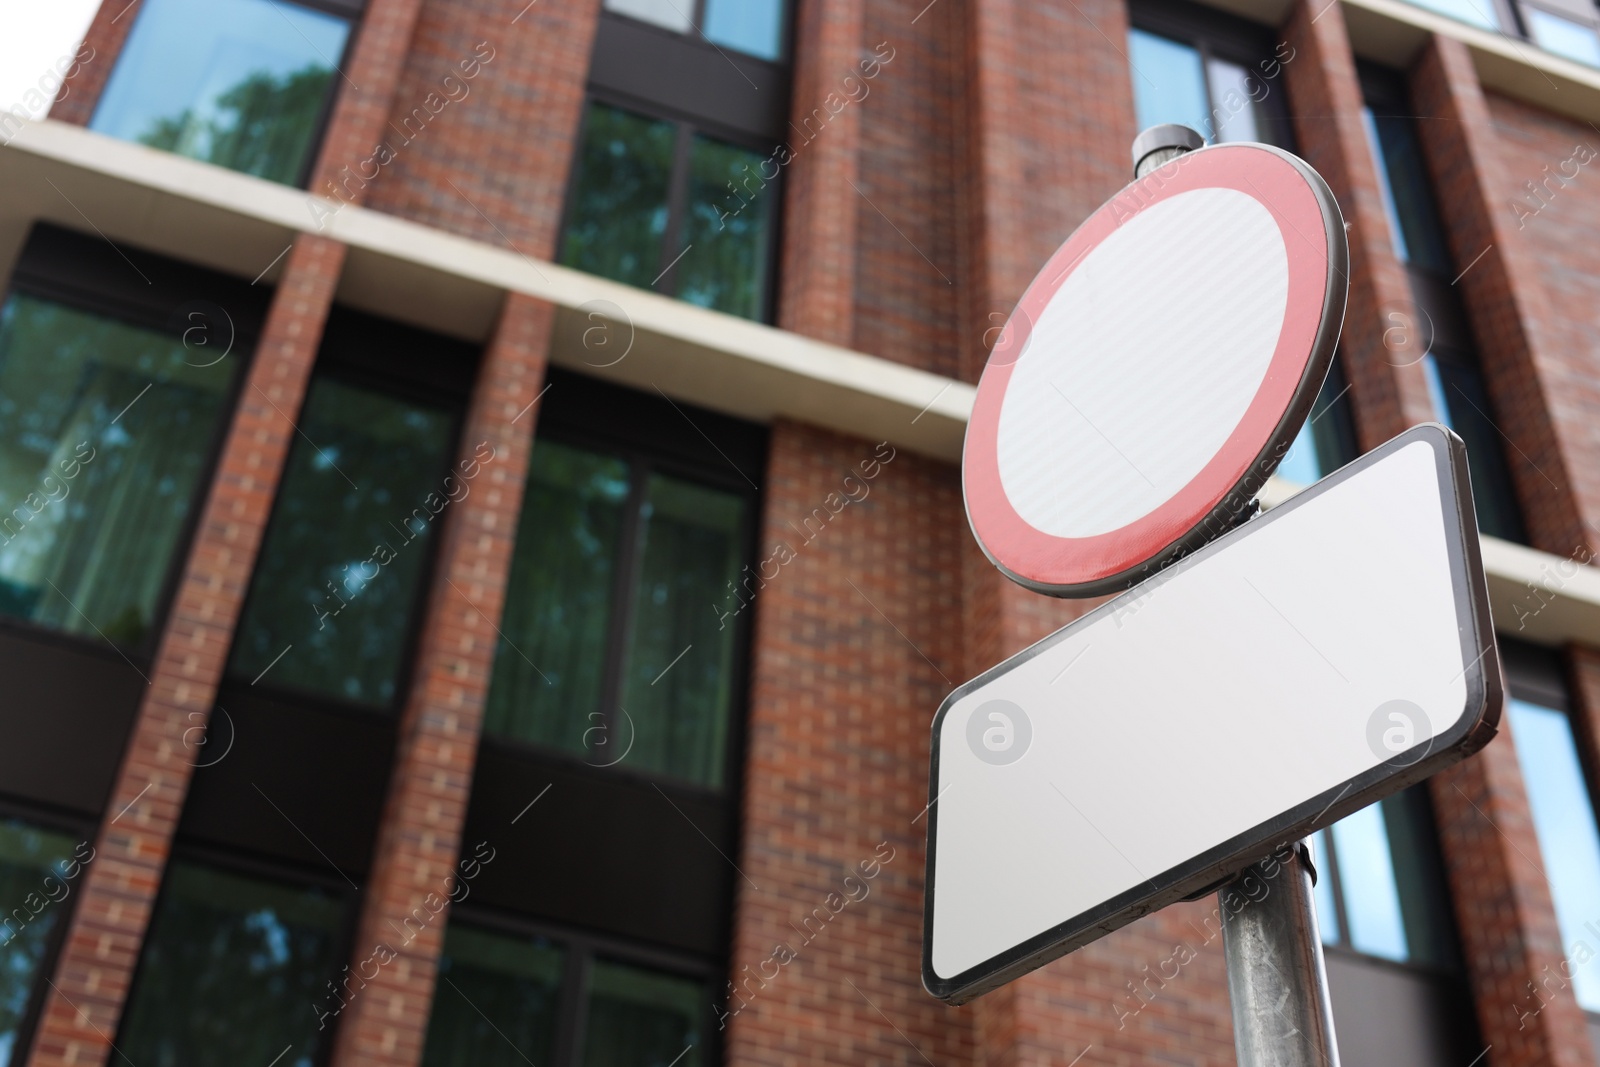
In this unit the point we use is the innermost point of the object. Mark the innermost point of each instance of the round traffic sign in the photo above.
(1156, 370)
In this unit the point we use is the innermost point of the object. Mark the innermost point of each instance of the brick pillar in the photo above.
(101, 948)
(102, 944)
(107, 32)
(1384, 336)
(1504, 913)
(857, 640)
(1507, 305)
(818, 274)
(1042, 153)
(419, 839)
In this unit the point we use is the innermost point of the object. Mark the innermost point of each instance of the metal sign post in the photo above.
(1277, 981)
(1255, 678)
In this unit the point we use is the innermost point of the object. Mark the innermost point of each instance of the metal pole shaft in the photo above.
(1276, 977)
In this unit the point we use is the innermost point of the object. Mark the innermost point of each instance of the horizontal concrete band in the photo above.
(417, 274)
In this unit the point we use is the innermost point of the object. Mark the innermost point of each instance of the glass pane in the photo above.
(668, 14)
(1563, 36)
(1327, 440)
(640, 1018)
(1169, 83)
(1455, 384)
(1477, 12)
(1564, 819)
(1407, 195)
(341, 566)
(1366, 875)
(239, 83)
(678, 682)
(38, 872)
(619, 202)
(105, 430)
(550, 663)
(753, 26)
(495, 1002)
(1327, 909)
(235, 971)
(728, 230)
(1235, 91)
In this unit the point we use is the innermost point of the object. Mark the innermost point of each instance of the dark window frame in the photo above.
(353, 12)
(581, 948)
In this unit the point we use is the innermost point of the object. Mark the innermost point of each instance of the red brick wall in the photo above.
(841, 700)
(1503, 291)
(419, 839)
(908, 265)
(1560, 241)
(1048, 125)
(1382, 344)
(821, 205)
(507, 144)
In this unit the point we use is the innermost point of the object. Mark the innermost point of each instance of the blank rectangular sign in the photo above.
(1312, 661)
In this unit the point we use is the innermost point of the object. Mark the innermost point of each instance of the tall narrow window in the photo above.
(341, 567)
(234, 971)
(1455, 377)
(38, 872)
(1380, 889)
(105, 430)
(609, 636)
(1569, 841)
(642, 1016)
(243, 84)
(754, 27)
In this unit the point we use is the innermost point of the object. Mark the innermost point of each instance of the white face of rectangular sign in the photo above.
(1186, 722)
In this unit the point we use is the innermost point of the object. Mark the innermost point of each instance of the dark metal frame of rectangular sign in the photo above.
(1472, 730)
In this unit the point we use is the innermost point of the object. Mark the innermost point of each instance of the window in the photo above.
(675, 183)
(1571, 35)
(1455, 378)
(1483, 13)
(1215, 74)
(1327, 441)
(658, 204)
(342, 564)
(754, 27)
(235, 970)
(608, 634)
(243, 84)
(38, 872)
(1380, 887)
(1564, 821)
(105, 429)
(496, 1001)
(504, 999)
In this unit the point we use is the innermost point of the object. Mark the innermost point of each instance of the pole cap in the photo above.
(1158, 144)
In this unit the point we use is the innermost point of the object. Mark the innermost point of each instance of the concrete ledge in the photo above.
(418, 274)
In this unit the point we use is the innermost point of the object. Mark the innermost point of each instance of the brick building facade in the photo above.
(451, 213)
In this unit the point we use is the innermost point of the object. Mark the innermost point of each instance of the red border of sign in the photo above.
(1082, 565)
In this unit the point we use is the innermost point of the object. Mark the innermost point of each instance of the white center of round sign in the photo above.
(1113, 409)
(1156, 370)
